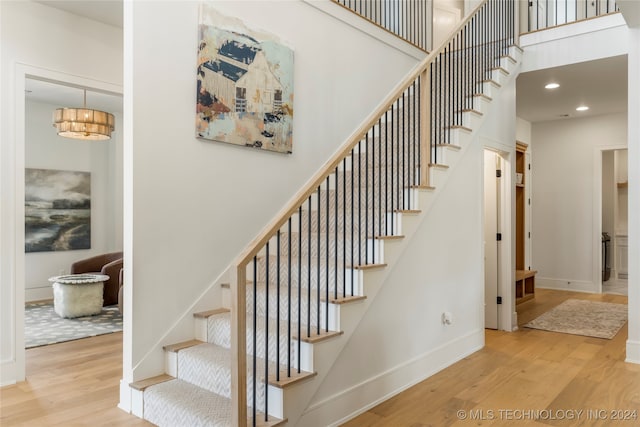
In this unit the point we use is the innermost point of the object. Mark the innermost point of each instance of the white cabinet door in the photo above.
(622, 257)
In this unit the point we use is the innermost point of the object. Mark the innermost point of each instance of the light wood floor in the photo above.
(69, 384)
(520, 371)
(76, 383)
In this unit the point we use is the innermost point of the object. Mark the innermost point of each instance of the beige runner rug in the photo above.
(583, 317)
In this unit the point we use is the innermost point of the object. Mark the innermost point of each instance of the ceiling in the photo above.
(106, 11)
(600, 84)
(67, 96)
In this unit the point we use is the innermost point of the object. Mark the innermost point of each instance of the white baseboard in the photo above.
(38, 294)
(567, 285)
(633, 352)
(8, 373)
(339, 408)
(125, 397)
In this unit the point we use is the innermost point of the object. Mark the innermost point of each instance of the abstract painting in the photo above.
(57, 210)
(244, 86)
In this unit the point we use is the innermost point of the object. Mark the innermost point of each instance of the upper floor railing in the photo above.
(543, 14)
(408, 19)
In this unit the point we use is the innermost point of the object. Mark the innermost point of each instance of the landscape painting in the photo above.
(57, 210)
(244, 85)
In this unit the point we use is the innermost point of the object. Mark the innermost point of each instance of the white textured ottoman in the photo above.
(77, 295)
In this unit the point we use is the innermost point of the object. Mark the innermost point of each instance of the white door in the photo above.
(491, 260)
(445, 20)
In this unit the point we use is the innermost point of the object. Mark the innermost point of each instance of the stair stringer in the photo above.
(297, 401)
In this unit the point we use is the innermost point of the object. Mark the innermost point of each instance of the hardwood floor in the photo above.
(557, 374)
(76, 383)
(69, 384)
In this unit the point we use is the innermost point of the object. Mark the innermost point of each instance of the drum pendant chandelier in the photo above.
(83, 123)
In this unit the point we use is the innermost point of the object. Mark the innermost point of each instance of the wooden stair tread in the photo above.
(471, 110)
(143, 384)
(510, 58)
(449, 146)
(271, 421)
(367, 266)
(344, 300)
(209, 313)
(285, 381)
(502, 69)
(322, 336)
(423, 187)
(407, 212)
(174, 348)
(493, 82)
(517, 47)
(482, 95)
(459, 127)
(438, 166)
(393, 237)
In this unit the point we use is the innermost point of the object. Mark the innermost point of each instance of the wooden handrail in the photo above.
(290, 208)
(239, 268)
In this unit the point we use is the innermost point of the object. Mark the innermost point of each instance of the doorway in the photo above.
(24, 75)
(492, 238)
(614, 222)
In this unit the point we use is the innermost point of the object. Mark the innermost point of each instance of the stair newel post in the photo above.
(239, 345)
(425, 126)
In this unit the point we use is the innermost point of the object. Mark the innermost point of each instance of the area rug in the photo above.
(43, 326)
(582, 317)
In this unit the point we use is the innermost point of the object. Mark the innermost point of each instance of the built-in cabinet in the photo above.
(525, 284)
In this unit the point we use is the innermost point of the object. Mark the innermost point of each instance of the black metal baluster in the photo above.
(300, 282)
(319, 266)
(255, 340)
(266, 335)
(289, 299)
(309, 269)
(326, 243)
(353, 222)
(344, 227)
(335, 274)
(366, 198)
(359, 203)
(277, 308)
(392, 160)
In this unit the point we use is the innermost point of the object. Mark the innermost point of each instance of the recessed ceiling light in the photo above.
(582, 108)
(552, 86)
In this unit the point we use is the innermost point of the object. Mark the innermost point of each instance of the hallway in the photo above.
(521, 372)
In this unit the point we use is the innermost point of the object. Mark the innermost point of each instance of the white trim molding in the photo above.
(339, 408)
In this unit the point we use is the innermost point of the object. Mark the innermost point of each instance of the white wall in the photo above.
(523, 131)
(426, 281)
(567, 153)
(33, 37)
(569, 44)
(46, 150)
(194, 204)
(401, 339)
(633, 341)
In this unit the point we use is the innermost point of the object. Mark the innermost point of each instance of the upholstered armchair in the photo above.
(109, 264)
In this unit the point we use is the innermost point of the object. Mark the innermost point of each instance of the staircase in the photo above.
(298, 292)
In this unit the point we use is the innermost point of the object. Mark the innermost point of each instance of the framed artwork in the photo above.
(244, 85)
(57, 210)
